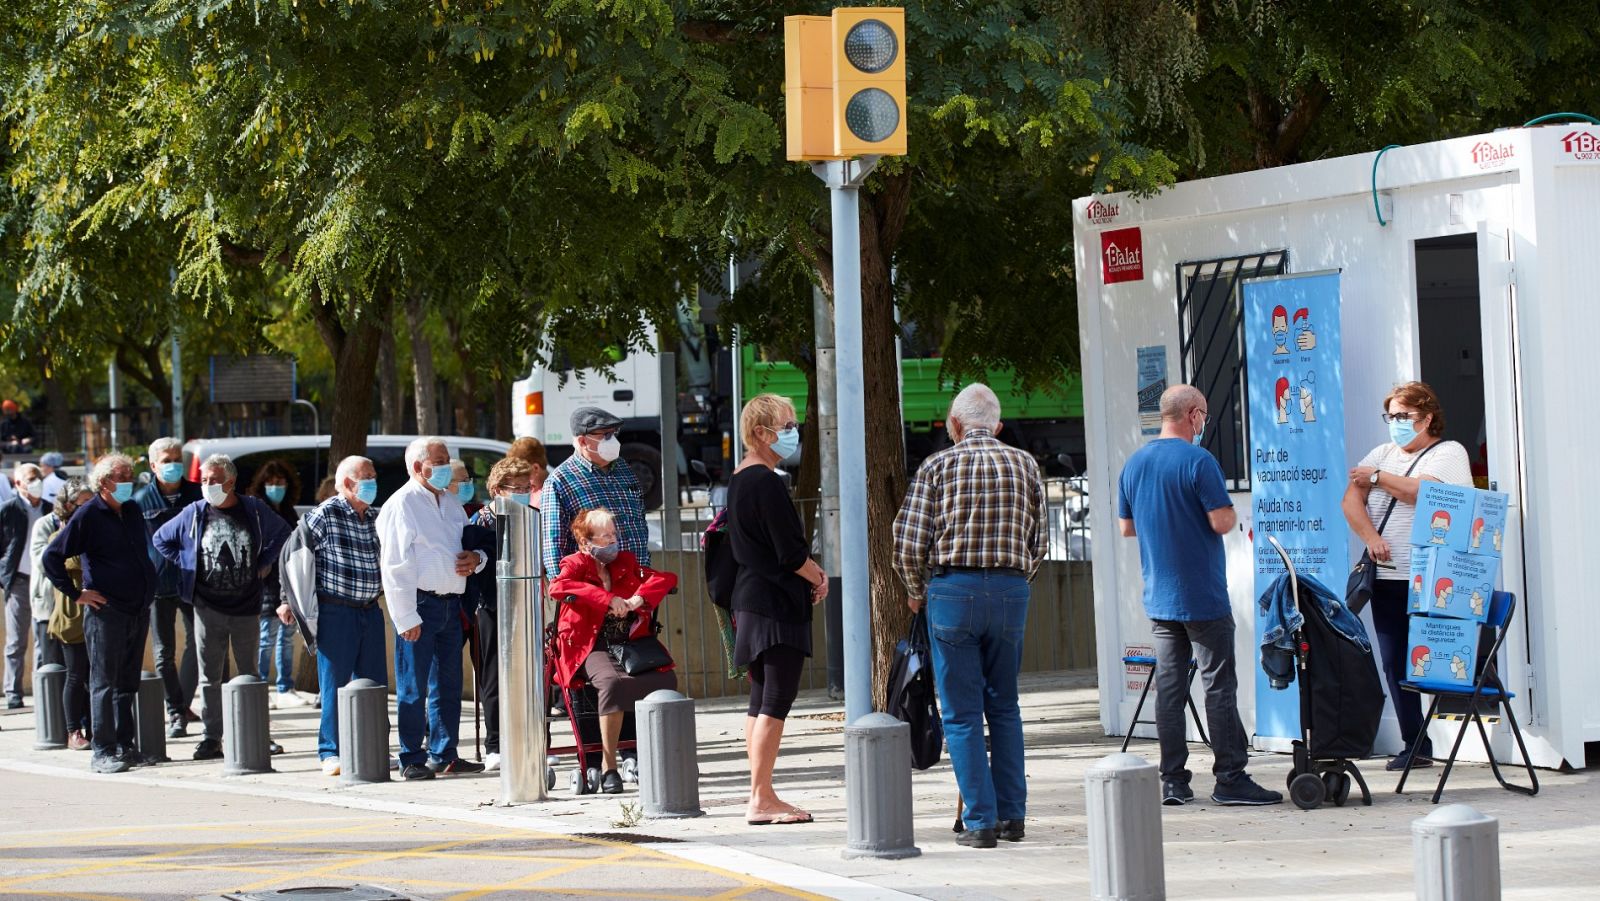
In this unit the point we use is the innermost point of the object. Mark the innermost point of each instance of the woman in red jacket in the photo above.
(612, 599)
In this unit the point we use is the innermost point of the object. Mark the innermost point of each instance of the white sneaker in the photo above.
(288, 699)
(330, 766)
(491, 762)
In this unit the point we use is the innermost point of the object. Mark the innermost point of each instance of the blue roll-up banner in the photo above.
(1297, 458)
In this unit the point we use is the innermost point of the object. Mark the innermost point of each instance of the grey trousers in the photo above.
(179, 673)
(216, 633)
(19, 626)
(1210, 644)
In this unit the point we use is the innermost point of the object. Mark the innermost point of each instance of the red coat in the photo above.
(578, 622)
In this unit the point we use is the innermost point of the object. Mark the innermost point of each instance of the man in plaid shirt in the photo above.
(592, 477)
(969, 538)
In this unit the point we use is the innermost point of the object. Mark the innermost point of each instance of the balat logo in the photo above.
(1101, 213)
(1122, 255)
(1582, 145)
(1489, 155)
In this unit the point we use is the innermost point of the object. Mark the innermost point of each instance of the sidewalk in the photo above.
(1211, 852)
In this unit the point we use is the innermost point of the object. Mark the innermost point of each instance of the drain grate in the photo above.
(319, 893)
(630, 838)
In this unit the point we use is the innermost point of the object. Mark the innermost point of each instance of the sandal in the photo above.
(782, 818)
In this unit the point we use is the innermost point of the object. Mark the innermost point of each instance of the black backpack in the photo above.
(721, 570)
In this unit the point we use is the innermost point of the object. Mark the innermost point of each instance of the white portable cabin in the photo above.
(1483, 279)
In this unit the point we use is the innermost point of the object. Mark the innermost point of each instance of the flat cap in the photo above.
(592, 419)
(52, 459)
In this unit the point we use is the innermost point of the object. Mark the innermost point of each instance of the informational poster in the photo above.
(1152, 382)
(1297, 456)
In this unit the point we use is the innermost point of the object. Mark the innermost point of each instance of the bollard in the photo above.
(363, 732)
(525, 735)
(245, 727)
(150, 718)
(1124, 807)
(877, 788)
(49, 711)
(1457, 852)
(669, 768)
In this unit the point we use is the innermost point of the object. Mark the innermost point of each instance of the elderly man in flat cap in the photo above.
(592, 477)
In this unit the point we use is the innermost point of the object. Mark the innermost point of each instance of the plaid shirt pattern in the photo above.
(578, 485)
(979, 504)
(346, 545)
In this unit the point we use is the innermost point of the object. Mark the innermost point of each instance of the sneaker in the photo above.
(330, 766)
(977, 838)
(77, 741)
(1176, 794)
(14, 703)
(288, 699)
(177, 726)
(1010, 831)
(1398, 763)
(1244, 792)
(456, 767)
(208, 749)
(416, 771)
(105, 763)
(394, 762)
(491, 761)
(611, 783)
(273, 748)
(134, 757)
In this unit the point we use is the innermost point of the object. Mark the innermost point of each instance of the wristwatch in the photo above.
(1374, 477)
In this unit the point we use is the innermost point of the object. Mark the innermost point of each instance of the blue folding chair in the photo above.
(1142, 660)
(1486, 689)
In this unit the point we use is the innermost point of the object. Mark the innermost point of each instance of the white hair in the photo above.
(459, 467)
(161, 446)
(105, 467)
(222, 462)
(976, 407)
(23, 469)
(417, 451)
(347, 470)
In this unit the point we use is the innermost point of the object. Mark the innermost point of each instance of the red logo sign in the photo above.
(1100, 213)
(1122, 255)
(1489, 155)
(1582, 145)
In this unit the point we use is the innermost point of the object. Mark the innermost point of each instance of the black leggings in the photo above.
(775, 680)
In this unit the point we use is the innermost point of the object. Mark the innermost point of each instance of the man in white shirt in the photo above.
(424, 576)
(50, 464)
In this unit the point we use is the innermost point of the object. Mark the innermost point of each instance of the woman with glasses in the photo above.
(1394, 470)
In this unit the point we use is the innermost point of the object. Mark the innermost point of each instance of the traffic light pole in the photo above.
(844, 178)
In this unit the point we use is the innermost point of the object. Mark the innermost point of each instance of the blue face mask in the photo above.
(788, 442)
(440, 477)
(276, 493)
(122, 492)
(466, 492)
(521, 497)
(1440, 532)
(169, 472)
(1281, 338)
(1402, 432)
(367, 490)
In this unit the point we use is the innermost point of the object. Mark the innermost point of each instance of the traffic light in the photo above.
(846, 83)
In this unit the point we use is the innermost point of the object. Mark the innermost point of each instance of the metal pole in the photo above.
(524, 742)
(828, 503)
(671, 517)
(738, 371)
(844, 179)
(177, 387)
(115, 392)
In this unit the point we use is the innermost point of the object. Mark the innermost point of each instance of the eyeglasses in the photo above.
(606, 435)
(1403, 417)
(791, 424)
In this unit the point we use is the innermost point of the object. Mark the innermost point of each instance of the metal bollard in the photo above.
(245, 727)
(524, 738)
(1124, 807)
(669, 767)
(877, 788)
(150, 717)
(49, 707)
(1457, 853)
(363, 732)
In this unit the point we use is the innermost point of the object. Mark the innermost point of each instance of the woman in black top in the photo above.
(777, 585)
(277, 484)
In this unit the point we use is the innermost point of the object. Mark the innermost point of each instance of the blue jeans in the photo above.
(431, 665)
(275, 637)
(976, 621)
(349, 646)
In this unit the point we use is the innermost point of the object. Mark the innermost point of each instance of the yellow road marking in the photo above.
(361, 857)
(525, 881)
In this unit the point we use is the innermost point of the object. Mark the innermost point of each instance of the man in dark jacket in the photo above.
(167, 493)
(119, 583)
(17, 517)
(222, 545)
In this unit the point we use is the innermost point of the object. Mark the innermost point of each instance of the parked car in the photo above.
(308, 454)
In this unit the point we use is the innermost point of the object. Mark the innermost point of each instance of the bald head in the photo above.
(1179, 401)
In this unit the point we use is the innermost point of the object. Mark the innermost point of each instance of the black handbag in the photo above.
(1358, 588)
(912, 696)
(639, 655)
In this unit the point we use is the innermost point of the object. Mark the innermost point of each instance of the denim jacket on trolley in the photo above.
(1280, 618)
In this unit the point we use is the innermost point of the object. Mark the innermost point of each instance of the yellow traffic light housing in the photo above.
(846, 83)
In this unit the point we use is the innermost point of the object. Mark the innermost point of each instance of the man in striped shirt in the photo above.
(592, 477)
(969, 538)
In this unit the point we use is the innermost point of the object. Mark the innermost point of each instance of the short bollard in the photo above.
(877, 788)
(669, 768)
(245, 727)
(150, 717)
(49, 714)
(1124, 806)
(363, 732)
(1457, 851)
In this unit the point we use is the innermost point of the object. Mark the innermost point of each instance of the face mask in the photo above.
(366, 490)
(169, 472)
(35, 489)
(1199, 433)
(466, 492)
(1440, 532)
(122, 492)
(276, 493)
(1402, 433)
(521, 497)
(609, 449)
(440, 477)
(788, 442)
(214, 494)
(1281, 338)
(605, 553)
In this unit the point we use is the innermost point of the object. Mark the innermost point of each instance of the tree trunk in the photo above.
(391, 417)
(354, 349)
(464, 394)
(63, 428)
(427, 384)
(501, 389)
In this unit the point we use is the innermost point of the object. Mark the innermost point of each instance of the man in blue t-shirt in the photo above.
(1172, 498)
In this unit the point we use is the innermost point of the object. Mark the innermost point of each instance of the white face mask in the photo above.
(214, 494)
(35, 489)
(609, 450)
